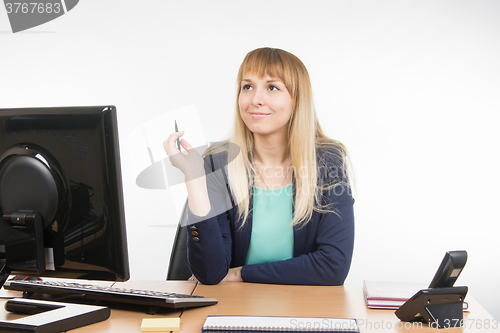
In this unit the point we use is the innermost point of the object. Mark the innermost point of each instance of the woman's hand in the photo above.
(191, 164)
(234, 275)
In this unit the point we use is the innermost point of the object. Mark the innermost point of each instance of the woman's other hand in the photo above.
(234, 275)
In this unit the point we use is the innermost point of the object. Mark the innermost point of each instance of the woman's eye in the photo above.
(246, 87)
(273, 88)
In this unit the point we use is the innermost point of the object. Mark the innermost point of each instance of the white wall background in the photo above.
(411, 87)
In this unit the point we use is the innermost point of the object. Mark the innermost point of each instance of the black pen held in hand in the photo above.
(178, 140)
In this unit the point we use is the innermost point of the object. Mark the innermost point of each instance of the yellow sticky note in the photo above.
(160, 324)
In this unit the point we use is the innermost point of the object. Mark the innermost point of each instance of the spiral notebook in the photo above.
(219, 324)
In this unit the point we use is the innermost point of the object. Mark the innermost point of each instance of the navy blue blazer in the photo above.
(322, 248)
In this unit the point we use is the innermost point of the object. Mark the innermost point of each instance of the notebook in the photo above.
(282, 324)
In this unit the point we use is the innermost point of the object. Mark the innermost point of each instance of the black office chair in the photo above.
(178, 268)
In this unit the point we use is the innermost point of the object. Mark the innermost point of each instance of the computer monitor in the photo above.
(61, 197)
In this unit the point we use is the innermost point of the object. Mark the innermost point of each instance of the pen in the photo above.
(178, 140)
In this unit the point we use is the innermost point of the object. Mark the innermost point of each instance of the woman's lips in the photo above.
(257, 115)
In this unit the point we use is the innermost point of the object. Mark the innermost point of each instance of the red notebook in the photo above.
(391, 295)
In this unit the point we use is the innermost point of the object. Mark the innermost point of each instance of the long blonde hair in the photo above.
(305, 137)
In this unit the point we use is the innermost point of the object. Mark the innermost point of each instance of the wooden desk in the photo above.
(313, 301)
(278, 300)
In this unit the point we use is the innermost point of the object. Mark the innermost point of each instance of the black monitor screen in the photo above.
(61, 197)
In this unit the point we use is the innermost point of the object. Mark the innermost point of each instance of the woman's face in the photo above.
(265, 105)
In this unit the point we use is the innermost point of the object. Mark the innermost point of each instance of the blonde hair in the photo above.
(305, 138)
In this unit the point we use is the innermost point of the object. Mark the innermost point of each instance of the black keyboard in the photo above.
(120, 295)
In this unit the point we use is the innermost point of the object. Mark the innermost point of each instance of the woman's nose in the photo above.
(258, 98)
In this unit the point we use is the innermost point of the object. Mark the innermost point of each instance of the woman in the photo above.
(293, 222)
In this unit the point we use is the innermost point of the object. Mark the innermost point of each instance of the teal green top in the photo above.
(272, 231)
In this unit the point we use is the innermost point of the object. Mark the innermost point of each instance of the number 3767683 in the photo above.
(33, 7)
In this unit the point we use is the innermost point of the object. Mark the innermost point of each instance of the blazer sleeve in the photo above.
(209, 237)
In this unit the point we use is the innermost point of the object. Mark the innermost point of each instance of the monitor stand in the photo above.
(26, 249)
(51, 317)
